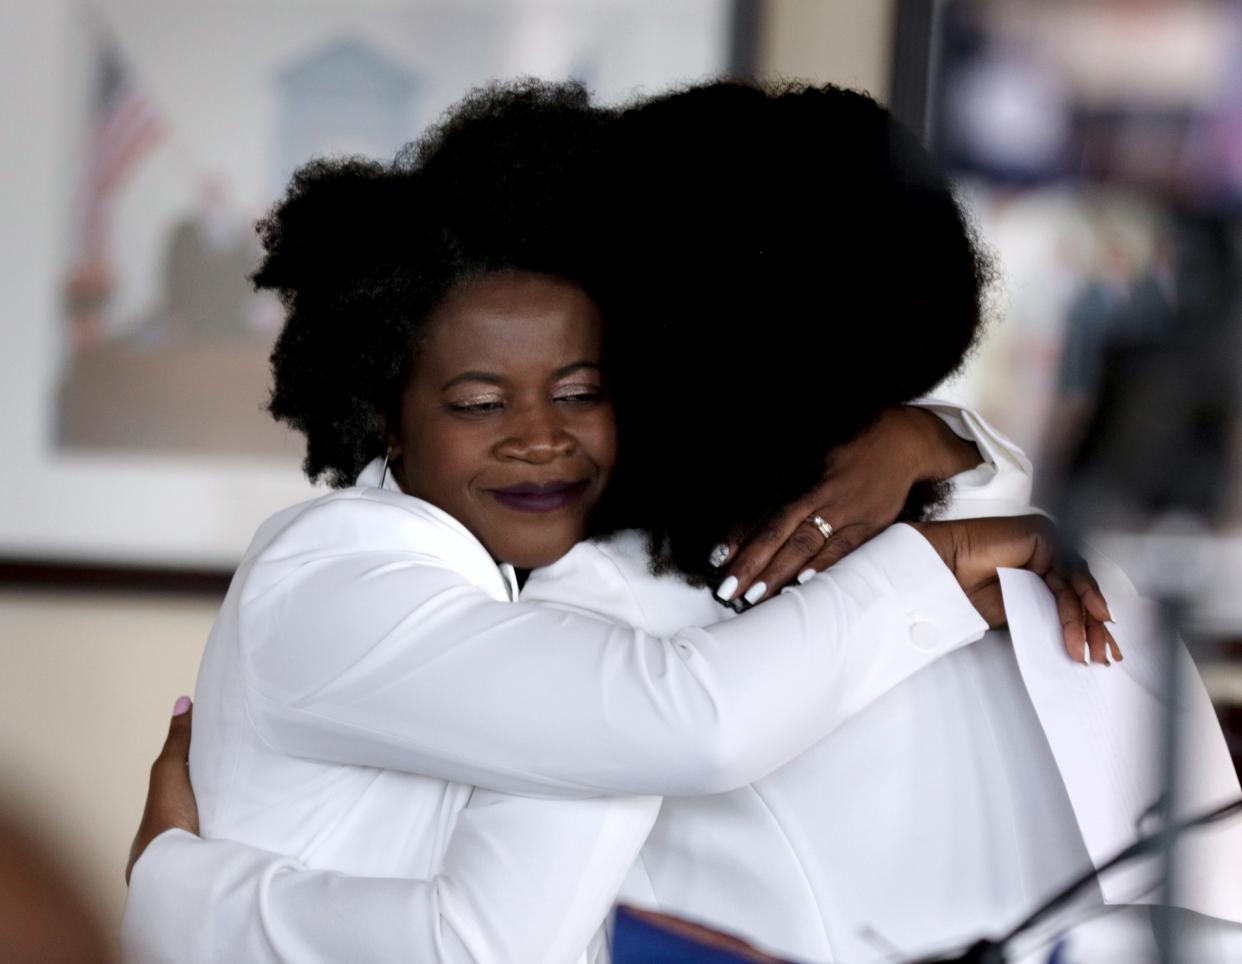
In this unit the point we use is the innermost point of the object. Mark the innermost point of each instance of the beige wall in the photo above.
(88, 683)
(845, 42)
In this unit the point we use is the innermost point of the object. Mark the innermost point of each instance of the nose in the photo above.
(536, 433)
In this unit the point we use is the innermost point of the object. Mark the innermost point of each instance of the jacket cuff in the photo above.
(1000, 484)
(919, 588)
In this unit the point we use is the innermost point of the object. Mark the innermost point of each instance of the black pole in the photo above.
(913, 74)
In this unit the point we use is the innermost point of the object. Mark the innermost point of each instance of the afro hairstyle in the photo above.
(787, 262)
(361, 252)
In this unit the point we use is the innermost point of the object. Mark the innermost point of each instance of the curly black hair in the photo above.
(777, 265)
(360, 252)
(788, 262)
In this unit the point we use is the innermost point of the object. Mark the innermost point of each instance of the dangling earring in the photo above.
(384, 473)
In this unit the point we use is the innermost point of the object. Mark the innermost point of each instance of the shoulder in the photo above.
(586, 579)
(612, 578)
(363, 521)
(364, 517)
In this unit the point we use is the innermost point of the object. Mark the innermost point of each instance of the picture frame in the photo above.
(109, 482)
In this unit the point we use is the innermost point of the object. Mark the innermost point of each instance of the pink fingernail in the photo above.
(182, 704)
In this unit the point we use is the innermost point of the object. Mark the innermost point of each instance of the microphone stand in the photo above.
(990, 950)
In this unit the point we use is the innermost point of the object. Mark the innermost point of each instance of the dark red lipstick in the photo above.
(540, 497)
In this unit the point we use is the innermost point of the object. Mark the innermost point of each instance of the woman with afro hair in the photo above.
(374, 702)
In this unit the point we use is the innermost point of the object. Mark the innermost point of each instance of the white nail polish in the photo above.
(727, 589)
(805, 576)
(755, 592)
(718, 556)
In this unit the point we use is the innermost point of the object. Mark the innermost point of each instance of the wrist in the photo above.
(939, 536)
(943, 454)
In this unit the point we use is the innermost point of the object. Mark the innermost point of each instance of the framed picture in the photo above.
(152, 134)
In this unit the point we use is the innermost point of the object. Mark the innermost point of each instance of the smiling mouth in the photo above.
(548, 497)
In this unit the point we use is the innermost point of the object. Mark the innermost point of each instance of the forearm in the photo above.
(530, 699)
(194, 900)
(522, 881)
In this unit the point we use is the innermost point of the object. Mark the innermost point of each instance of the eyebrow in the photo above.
(495, 379)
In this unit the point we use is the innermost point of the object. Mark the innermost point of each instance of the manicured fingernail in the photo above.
(739, 605)
(727, 589)
(755, 592)
(718, 556)
(182, 704)
(805, 576)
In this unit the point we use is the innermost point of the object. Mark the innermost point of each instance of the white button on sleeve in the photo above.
(925, 636)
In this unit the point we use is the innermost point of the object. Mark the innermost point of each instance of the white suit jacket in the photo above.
(934, 816)
(368, 675)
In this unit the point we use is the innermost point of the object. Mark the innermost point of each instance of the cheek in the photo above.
(599, 437)
(442, 457)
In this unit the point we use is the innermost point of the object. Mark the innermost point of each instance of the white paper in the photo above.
(1105, 725)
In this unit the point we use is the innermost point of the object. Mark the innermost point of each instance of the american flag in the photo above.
(125, 127)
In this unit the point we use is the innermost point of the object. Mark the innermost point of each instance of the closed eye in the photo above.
(475, 408)
(580, 397)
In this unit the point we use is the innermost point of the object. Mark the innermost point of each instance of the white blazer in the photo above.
(368, 672)
(934, 816)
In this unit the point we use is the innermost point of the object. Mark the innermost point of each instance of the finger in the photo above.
(1097, 640)
(1069, 612)
(989, 602)
(721, 553)
(843, 542)
(757, 552)
(170, 799)
(176, 748)
(790, 560)
(1112, 645)
(1089, 592)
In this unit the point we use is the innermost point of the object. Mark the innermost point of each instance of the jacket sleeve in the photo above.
(524, 881)
(1000, 484)
(366, 653)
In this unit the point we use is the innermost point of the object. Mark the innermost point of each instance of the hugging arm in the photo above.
(406, 666)
(523, 880)
(367, 654)
(515, 886)
(867, 483)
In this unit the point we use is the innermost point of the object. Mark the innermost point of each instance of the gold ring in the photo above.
(825, 529)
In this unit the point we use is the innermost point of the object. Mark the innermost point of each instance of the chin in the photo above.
(535, 556)
(537, 560)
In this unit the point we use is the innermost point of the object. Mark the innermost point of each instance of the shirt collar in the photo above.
(371, 476)
(375, 473)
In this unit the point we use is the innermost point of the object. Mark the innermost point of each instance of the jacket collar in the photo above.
(370, 478)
